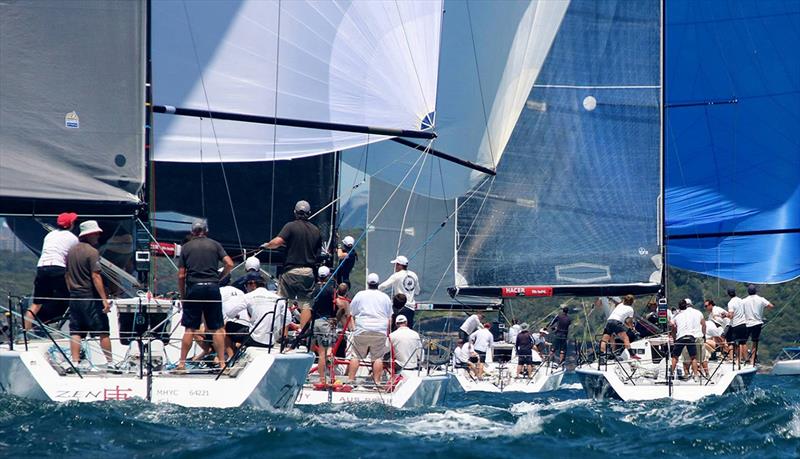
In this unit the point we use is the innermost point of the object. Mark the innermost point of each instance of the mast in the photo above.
(662, 216)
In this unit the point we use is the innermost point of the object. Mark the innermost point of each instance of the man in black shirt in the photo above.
(198, 283)
(524, 348)
(324, 311)
(303, 242)
(347, 260)
(561, 324)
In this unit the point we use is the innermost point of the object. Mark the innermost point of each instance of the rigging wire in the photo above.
(480, 83)
(410, 197)
(275, 132)
(213, 128)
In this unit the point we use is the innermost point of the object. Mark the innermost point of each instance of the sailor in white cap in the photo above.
(372, 311)
(407, 345)
(402, 281)
(302, 242)
(87, 315)
(347, 260)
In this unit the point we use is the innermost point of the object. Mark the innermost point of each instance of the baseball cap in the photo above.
(487, 325)
(401, 319)
(199, 225)
(89, 227)
(302, 207)
(400, 260)
(688, 301)
(253, 277)
(348, 241)
(524, 326)
(373, 279)
(324, 271)
(252, 264)
(66, 219)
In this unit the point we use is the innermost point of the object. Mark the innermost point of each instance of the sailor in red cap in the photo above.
(50, 292)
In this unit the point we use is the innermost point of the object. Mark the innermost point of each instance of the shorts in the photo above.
(202, 301)
(237, 332)
(739, 334)
(559, 345)
(463, 335)
(685, 342)
(613, 327)
(324, 334)
(369, 343)
(754, 332)
(481, 355)
(86, 315)
(298, 284)
(525, 360)
(474, 359)
(50, 283)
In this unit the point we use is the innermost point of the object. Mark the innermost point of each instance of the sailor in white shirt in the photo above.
(371, 310)
(260, 303)
(513, 332)
(753, 306)
(472, 324)
(464, 356)
(483, 342)
(50, 271)
(407, 345)
(616, 327)
(402, 281)
(237, 320)
(689, 324)
(737, 333)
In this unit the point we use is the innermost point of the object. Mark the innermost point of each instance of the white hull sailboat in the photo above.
(787, 363)
(648, 378)
(261, 378)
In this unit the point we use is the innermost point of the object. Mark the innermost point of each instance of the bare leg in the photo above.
(29, 319)
(322, 363)
(352, 368)
(754, 353)
(75, 348)
(219, 345)
(105, 345)
(186, 344)
(603, 343)
(377, 370)
(305, 317)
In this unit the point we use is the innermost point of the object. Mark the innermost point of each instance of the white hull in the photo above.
(267, 381)
(261, 379)
(546, 379)
(633, 380)
(786, 368)
(413, 391)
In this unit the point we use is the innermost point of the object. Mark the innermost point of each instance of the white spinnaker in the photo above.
(368, 63)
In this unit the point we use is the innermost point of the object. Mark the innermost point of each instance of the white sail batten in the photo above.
(366, 63)
(71, 101)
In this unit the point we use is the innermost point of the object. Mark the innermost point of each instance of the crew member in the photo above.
(753, 306)
(237, 321)
(524, 347)
(472, 324)
(86, 313)
(403, 281)
(303, 243)
(738, 330)
(561, 325)
(688, 324)
(407, 345)
(50, 291)
(513, 331)
(265, 309)
(198, 283)
(483, 341)
(371, 310)
(347, 260)
(615, 326)
(324, 312)
(251, 265)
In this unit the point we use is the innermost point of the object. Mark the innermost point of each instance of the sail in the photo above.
(490, 56)
(71, 105)
(366, 63)
(574, 206)
(732, 139)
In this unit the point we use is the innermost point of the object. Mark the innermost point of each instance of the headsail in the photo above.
(352, 62)
(71, 105)
(574, 207)
(732, 143)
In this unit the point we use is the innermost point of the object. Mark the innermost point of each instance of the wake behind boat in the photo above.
(38, 368)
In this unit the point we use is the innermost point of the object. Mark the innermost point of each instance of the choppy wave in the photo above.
(764, 422)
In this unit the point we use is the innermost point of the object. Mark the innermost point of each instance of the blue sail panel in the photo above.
(732, 139)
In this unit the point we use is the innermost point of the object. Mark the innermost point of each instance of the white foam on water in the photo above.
(573, 386)
(793, 429)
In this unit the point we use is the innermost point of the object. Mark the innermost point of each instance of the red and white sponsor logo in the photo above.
(527, 291)
(164, 248)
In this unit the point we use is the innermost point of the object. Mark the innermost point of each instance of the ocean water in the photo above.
(764, 422)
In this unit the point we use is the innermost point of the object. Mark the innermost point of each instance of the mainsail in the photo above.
(732, 139)
(71, 106)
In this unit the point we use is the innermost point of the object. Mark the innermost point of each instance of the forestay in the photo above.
(71, 103)
(733, 143)
(370, 63)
